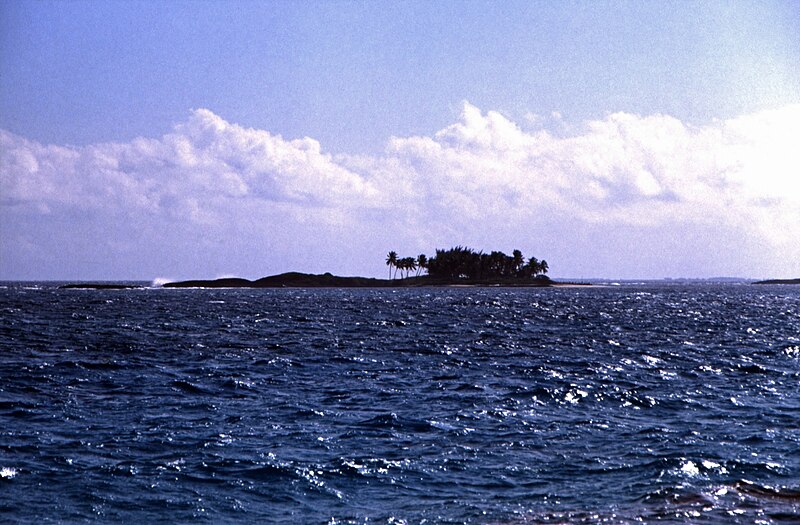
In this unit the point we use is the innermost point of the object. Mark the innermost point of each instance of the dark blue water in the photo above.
(648, 403)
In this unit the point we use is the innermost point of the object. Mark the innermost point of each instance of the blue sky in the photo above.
(378, 87)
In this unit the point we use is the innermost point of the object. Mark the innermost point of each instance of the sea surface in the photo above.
(636, 403)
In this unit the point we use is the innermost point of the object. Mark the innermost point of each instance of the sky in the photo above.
(169, 140)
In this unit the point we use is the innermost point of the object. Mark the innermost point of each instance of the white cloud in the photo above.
(215, 191)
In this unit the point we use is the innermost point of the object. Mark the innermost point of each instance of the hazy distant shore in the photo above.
(100, 286)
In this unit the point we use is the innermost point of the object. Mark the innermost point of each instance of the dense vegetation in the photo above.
(462, 263)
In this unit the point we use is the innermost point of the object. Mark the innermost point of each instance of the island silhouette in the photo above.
(779, 281)
(458, 266)
(449, 267)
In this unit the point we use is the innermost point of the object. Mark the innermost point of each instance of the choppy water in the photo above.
(650, 403)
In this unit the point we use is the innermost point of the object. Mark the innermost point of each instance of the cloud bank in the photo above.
(625, 196)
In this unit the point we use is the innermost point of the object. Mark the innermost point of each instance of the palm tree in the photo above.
(408, 264)
(412, 265)
(391, 260)
(422, 263)
(517, 262)
(533, 267)
(465, 263)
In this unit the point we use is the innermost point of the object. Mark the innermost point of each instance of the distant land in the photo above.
(100, 286)
(327, 280)
(458, 266)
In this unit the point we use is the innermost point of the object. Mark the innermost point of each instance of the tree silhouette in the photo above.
(532, 268)
(391, 260)
(422, 263)
(462, 263)
(408, 264)
(400, 265)
(518, 260)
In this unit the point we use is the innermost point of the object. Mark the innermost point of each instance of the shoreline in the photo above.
(328, 280)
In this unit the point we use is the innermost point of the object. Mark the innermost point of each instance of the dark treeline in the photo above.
(462, 263)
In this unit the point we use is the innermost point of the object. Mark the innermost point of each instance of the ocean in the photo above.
(636, 403)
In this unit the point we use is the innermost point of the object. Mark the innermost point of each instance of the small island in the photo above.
(457, 266)
(779, 281)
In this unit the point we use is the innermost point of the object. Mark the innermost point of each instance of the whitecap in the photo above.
(772, 465)
(714, 465)
(573, 396)
(442, 425)
(652, 361)
(7, 472)
(554, 374)
(690, 469)
(667, 376)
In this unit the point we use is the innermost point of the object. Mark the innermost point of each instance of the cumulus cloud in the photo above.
(624, 195)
